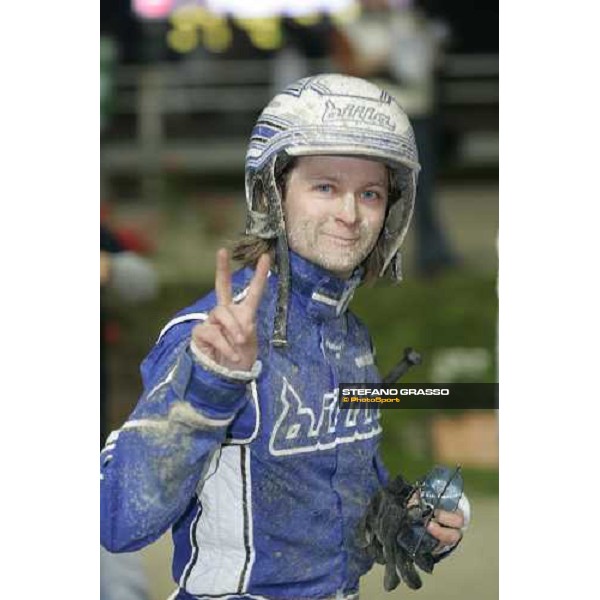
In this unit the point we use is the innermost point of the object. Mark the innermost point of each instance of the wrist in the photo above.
(237, 375)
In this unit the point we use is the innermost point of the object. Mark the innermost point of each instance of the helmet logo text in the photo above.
(358, 113)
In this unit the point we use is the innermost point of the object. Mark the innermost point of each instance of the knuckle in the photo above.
(451, 520)
(228, 314)
(215, 333)
(457, 521)
(198, 328)
(199, 332)
(218, 313)
(222, 339)
(451, 536)
(445, 536)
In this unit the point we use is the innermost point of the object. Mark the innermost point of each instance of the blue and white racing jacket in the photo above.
(263, 483)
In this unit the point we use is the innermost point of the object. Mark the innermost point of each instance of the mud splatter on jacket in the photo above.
(263, 483)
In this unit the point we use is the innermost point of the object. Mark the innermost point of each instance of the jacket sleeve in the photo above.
(152, 466)
(382, 473)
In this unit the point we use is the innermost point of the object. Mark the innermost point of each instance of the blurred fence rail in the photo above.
(195, 116)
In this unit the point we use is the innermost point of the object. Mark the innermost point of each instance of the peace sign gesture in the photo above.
(228, 336)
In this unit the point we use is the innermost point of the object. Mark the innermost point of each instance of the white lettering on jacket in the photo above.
(297, 428)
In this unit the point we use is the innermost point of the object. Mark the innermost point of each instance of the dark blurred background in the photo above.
(181, 87)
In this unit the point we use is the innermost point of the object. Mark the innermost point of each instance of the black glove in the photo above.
(387, 519)
(394, 533)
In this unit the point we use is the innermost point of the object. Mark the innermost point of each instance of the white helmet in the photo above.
(329, 115)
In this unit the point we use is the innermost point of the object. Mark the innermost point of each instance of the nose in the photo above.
(347, 212)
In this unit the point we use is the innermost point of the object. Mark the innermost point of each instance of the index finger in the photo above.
(223, 278)
(450, 519)
(257, 285)
(445, 535)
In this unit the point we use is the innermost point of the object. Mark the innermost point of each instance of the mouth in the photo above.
(341, 239)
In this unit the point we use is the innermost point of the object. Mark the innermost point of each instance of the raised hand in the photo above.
(228, 336)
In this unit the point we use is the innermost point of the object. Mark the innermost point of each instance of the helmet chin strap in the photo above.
(396, 264)
(282, 257)
(279, 338)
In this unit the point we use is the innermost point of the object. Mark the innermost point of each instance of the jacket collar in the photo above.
(324, 295)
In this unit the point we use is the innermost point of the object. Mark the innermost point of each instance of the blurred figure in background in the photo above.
(305, 44)
(129, 277)
(122, 577)
(397, 45)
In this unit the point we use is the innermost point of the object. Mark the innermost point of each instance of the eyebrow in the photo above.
(376, 184)
(332, 178)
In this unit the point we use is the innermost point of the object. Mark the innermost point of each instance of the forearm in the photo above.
(149, 476)
(153, 465)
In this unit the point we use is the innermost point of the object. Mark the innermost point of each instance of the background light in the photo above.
(153, 9)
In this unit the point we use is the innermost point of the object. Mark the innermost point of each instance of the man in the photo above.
(238, 443)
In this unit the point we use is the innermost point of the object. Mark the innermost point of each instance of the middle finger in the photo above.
(450, 519)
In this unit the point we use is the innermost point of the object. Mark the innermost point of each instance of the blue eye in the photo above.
(324, 188)
(371, 195)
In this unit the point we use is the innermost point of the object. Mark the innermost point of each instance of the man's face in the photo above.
(334, 210)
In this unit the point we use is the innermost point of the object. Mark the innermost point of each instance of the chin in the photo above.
(339, 269)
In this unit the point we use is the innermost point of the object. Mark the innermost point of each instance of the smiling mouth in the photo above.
(342, 239)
